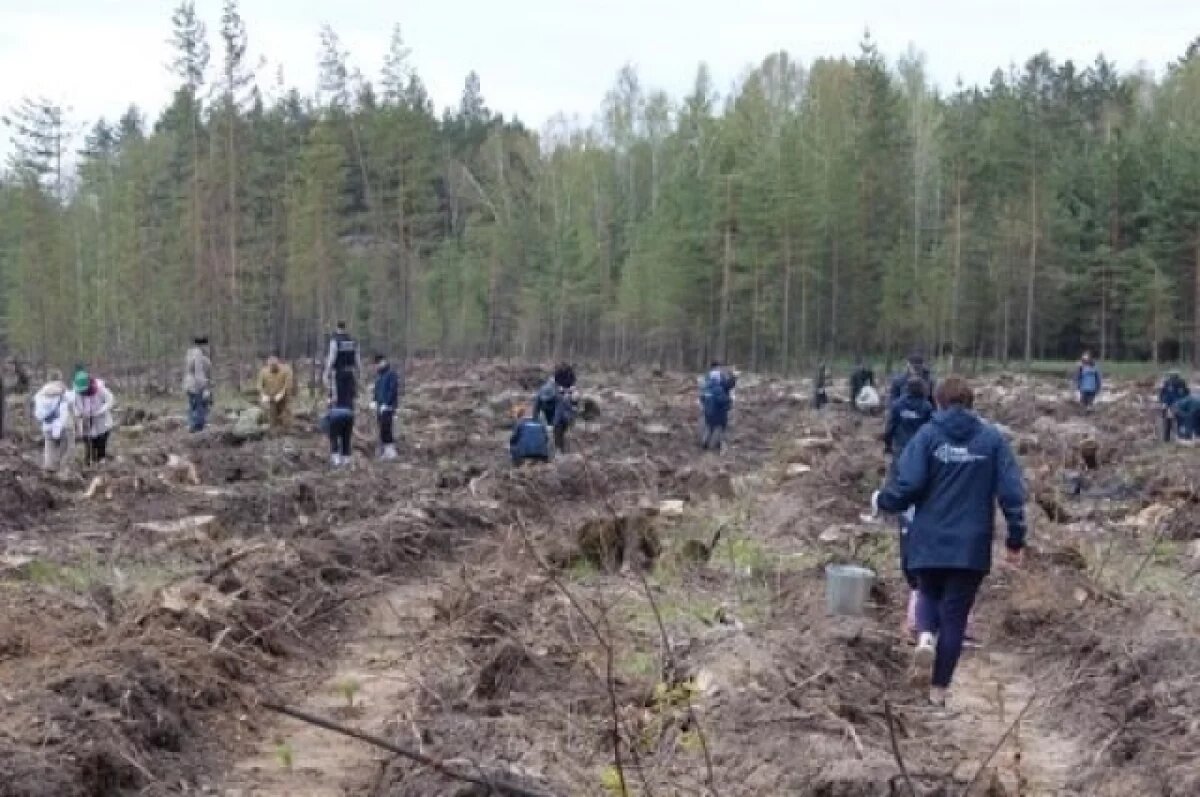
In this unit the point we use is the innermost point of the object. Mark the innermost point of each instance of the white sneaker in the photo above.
(336, 460)
(923, 657)
(389, 453)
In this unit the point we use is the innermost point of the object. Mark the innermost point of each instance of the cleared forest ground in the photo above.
(474, 613)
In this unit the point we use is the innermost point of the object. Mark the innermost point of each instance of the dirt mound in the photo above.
(25, 496)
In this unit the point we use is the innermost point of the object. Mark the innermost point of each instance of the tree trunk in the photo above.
(1196, 307)
(785, 331)
(726, 274)
(1032, 277)
(955, 285)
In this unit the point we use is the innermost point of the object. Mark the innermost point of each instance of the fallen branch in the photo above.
(669, 666)
(891, 723)
(1000, 743)
(497, 785)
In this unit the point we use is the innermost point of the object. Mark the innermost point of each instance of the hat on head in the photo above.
(82, 381)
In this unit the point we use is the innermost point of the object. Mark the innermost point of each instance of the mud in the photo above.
(494, 617)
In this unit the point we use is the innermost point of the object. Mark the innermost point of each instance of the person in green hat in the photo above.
(93, 408)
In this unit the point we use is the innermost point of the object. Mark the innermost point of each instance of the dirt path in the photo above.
(293, 758)
(990, 690)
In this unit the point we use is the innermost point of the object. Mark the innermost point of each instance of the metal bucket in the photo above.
(847, 588)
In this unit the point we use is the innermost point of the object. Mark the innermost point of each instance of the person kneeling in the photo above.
(529, 441)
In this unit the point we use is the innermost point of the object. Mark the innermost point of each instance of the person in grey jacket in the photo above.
(197, 383)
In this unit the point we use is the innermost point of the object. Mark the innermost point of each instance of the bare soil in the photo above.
(636, 616)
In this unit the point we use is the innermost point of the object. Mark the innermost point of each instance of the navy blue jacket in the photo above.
(1187, 411)
(529, 440)
(954, 472)
(899, 386)
(387, 388)
(1087, 379)
(905, 419)
(1173, 389)
(716, 398)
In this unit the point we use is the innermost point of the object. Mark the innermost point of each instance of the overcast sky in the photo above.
(538, 57)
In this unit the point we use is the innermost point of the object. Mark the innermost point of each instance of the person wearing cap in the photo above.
(275, 387)
(1087, 380)
(93, 410)
(1174, 388)
(388, 387)
(197, 383)
(915, 367)
(54, 409)
(952, 475)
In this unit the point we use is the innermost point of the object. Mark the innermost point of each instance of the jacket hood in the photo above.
(957, 423)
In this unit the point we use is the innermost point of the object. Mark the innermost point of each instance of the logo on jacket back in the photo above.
(956, 455)
(910, 415)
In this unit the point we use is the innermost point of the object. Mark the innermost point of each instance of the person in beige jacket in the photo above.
(275, 387)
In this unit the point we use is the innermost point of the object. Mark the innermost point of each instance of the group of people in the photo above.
(80, 410)
(552, 412)
(950, 470)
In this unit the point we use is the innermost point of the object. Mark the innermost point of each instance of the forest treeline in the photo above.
(840, 206)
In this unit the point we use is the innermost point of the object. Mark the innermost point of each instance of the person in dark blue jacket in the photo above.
(906, 417)
(1174, 388)
(386, 401)
(915, 367)
(1087, 380)
(953, 474)
(1187, 416)
(716, 399)
(529, 442)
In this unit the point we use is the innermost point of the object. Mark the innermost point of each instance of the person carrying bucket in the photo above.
(953, 473)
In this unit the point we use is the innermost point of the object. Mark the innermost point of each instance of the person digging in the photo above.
(953, 474)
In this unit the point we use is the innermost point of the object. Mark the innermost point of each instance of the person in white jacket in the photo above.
(54, 409)
(93, 408)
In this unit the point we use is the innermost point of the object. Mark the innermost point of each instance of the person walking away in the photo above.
(385, 403)
(341, 422)
(1087, 380)
(54, 409)
(953, 473)
(905, 419)
(197, 383)
(716, 400)
(1174, 388)
(1187, 417)
(276, 384)
(915, 366)
(820, 392)
(529, 441)
(93, 409)
(862, 376)
(343, 363)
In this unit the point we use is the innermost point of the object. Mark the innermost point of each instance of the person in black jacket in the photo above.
(916, 367)
(953, 474)
(860, 378)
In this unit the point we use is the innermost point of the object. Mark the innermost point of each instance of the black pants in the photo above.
(341, 433)
(345, 388)
(386, 428)
(97, 448)
(946, 598)
(560, 437)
